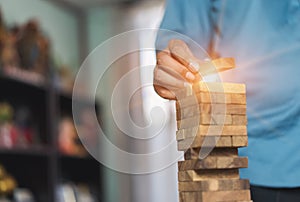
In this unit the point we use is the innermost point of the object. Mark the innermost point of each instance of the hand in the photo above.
(176, 67)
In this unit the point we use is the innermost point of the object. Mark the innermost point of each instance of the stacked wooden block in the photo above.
(212, 121)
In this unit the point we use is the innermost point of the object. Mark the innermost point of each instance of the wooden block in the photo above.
(184, 92)
(188, 101)
(226, 195)
(189, 122)
(201, 98)
(181, 197)
(216, 196)
(211, 98)
(232, 162)
(215, 119)
(200, 175)
(226, 130)
(180, 135)
(233, 109)
(212, 141)
(206, 119)
(212, 130)
(183, 145)
(214, 185)
(223, 64)
(213, 162)
(212, 87)
(186, 133)
(239, 119)
(221, 142)
(229, 152)
(191, 197)
(238, 98)
(239, 141)
(187, 112)
(217, 87)
(197, 164)
(214, 98)
(215, 66)
(193, 153)
(204, 141)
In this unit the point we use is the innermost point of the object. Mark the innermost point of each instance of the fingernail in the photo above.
(194, 65)
(190, 76)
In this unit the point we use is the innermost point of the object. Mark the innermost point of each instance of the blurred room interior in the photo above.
(43, 45)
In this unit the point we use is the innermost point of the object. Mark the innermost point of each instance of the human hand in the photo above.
(176, 68)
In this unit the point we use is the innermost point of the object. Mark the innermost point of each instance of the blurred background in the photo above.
(42, 46)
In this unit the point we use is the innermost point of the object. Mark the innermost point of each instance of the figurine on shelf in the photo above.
(9, 56)
(2, 31)
(70, 192)
(7, 182)
(8, 45)
(18, 133)
(7, 129)
(26, 133)
(68, 139)
(33, 48)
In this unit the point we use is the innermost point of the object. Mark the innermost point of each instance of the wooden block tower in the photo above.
(212, 123)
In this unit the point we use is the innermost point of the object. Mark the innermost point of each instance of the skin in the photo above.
(176, 68)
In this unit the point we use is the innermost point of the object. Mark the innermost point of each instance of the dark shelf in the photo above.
(10, 76)
(31, 173)
(31, 151)
(82, 170)
(76, 157)
(42, 168)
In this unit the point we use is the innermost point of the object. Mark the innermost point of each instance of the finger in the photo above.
(164, 92)
(173, 67)
(181, 52)
(166, 80)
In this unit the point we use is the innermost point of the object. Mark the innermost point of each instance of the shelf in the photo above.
(74, 157)
(32, 151)
(41, 168)
(23, 77)
(31, 172)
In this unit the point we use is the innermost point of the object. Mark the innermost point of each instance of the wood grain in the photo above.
(213, 162)
(212, 141)
(193, 153)
(214, 185)
(212, 130)
(217, 87)
(232, 109)
(199, 175)
(211, 98)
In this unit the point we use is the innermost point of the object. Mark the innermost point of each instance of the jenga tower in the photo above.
(212, 117)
